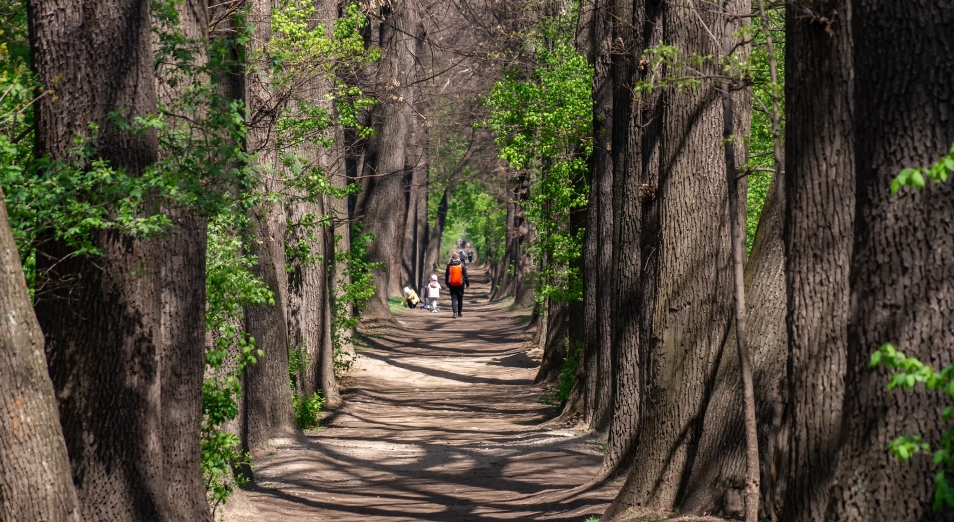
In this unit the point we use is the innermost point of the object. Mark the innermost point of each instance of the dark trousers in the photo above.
(457, 297)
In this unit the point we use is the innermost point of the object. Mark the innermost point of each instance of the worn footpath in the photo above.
(442, 422)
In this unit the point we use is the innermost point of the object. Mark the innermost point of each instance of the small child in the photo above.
(433, 293)
(411, 300)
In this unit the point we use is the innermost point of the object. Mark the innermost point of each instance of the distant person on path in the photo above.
(433, 293)
(455, 277)
(411, 300)
(470, 256)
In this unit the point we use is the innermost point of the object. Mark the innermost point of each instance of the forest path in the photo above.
(442, 423)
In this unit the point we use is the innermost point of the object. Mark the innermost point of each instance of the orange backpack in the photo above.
(456, 275)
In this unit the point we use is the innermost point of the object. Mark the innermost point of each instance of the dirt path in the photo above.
(443, 423)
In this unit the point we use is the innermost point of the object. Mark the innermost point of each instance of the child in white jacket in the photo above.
(433, 293)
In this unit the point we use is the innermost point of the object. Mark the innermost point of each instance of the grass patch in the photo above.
(394, 303)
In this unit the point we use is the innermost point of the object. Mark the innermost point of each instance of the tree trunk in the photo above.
(717, 480)
(102, 315)
(737, 237)
(635, 127)
(382, 213)
(416, 216)
(598, 311)
(689, 283)
(35, 480)
(902, 267)
(268, 403)
(819, 216)
(183, 308)
(437, 233)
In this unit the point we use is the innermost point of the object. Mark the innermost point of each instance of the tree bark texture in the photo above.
(383, 214)
(598, 311)
(183, 313)
(687, 286)
(268, 403)
(102, 316)
(635, 127)
(416, 215)
(35, 479)
(309, 321)
(818, 231)
(717, 480)
(902, 267)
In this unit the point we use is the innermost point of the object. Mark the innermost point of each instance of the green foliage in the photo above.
(760, 140)
(352, 293)
(542, 119)
(230, 287)
(560, 393)
(915, 177)
(479, 218)
(568, 374)
(307, 408)
(909, 372)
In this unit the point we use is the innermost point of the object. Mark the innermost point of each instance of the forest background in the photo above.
(722, 214)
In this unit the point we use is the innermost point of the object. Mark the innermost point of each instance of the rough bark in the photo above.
(268, 403)
(308, 296)
(737, 237)
(102, 316)
(819, 216)
(383, 210)
(598, 313)
(718, 473)
(902, 266)
(635, 133)
(35, 480)
(416, 215)
(183, 312)
(689, 281)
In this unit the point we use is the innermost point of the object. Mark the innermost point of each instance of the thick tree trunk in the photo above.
(183, 309)
(689, 281)
(717, 480)
(598, 312)
(102, 316)
(635, 127)
(818, 231)
(902, 267)
(307, 307)
(416, 216)
(383, 212)
(268, 406)
(35, 479)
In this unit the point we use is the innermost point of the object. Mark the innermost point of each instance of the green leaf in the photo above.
(917, 179)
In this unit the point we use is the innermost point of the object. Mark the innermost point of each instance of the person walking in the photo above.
(455, 277)
(433, 293)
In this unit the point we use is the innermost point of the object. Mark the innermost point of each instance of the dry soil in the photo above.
(441, 422)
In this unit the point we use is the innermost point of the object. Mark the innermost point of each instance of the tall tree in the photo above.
(268, 403)
(902, 266)
(716, 483)
(598, 310)
(102, 318)
(385, 161)
(818, 231)
(686, 304)
(35, 479)
(634, 139)
(182, 354)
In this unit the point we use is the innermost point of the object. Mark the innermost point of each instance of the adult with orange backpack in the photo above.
(455, 277)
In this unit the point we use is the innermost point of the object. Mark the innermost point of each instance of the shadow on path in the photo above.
(443, 424)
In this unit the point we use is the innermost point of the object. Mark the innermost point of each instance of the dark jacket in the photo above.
(463, 272)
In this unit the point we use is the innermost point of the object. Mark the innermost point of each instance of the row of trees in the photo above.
(839, 264)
